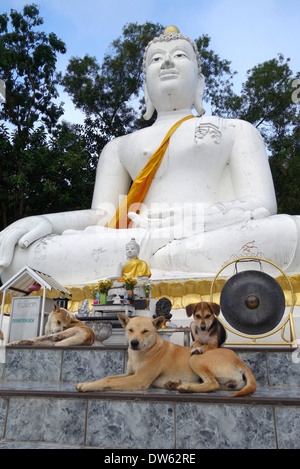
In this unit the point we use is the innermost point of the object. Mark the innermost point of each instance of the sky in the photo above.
(246, 32)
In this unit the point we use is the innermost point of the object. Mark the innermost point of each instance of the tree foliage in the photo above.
(266, 102)
(218, 75)
(44, 165)
(28, 64)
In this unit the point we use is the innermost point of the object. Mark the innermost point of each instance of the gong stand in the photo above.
(253, 303)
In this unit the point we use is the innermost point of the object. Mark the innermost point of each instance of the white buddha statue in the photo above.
(209, 197)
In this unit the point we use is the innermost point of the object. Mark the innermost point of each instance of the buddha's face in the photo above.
(131, 251)
(172, 76)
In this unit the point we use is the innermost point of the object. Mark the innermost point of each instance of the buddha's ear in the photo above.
(149, 106)
(199, 94)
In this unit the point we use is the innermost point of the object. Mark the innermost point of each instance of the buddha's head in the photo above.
(172, 74)
(132, 249)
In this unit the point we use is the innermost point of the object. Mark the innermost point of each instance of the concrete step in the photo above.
(40, 407)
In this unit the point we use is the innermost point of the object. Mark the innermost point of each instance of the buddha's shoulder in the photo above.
(229, 123)
(124, 140)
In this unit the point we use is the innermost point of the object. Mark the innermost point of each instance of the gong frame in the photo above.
(255, 338)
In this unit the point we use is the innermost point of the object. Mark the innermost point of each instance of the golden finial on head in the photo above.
(171, 29)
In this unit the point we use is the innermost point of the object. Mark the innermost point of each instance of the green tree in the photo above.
(45, 166)
(28, 62)
(266, 102)
(62, 171)
(6, 171)
(218, 91)
(27, 66)
(285, 167)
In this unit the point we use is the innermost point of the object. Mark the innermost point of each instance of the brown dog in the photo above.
(207, 331)
(62, 328)
(152, 361)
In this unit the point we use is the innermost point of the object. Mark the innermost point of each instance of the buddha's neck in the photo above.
(172, 116)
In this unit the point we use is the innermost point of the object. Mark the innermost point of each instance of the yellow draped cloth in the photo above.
(136, 268)
(141, 184)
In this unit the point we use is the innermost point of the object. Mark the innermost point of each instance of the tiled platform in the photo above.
(40, 407)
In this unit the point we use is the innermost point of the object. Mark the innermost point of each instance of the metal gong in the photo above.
(252, 302)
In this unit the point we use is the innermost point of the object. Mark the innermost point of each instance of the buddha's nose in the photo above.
(168, 62)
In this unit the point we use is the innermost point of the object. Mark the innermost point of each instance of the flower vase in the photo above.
(103, 298)
(130, 297)
(147, 302)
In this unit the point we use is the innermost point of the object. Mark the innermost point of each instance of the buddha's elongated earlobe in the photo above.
(198, 98)
(149, 106)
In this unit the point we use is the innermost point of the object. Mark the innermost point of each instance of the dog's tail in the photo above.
(250, 386)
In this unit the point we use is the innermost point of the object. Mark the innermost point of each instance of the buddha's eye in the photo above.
(156, 59)
(180, 55)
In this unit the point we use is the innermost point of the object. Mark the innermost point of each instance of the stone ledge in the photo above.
(236, 348)
(262, 396)
(172, 421)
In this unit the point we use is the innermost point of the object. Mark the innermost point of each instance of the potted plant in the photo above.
(129, 284)
(103, 287)
(147, 289)
(94, 293)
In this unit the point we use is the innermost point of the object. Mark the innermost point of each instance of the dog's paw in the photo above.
(83, 387)
(25, 342)
(172, 385)
(184, 389)
(92, 386)
(197, 351)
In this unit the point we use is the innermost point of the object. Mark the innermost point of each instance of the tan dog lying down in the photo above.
(153, 361)
(62, 328)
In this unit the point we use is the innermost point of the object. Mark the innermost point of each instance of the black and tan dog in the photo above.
(153, 361)
(207, 331)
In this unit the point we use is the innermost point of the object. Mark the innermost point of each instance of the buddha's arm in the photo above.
(250, 171)
(112, 181)
(251, 180)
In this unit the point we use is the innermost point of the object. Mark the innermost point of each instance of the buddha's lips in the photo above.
(166, 74)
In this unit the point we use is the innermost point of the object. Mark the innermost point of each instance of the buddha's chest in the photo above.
(197, 145)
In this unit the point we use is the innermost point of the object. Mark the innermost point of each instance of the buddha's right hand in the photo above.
(160, 218)
(22, 232)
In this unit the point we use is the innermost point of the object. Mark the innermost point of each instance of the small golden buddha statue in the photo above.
(135, 267)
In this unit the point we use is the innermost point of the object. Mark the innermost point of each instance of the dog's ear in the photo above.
(159, 322)
(190, 309)
(124, 320)
(215, 308)
(72, 317)
(56, 308)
